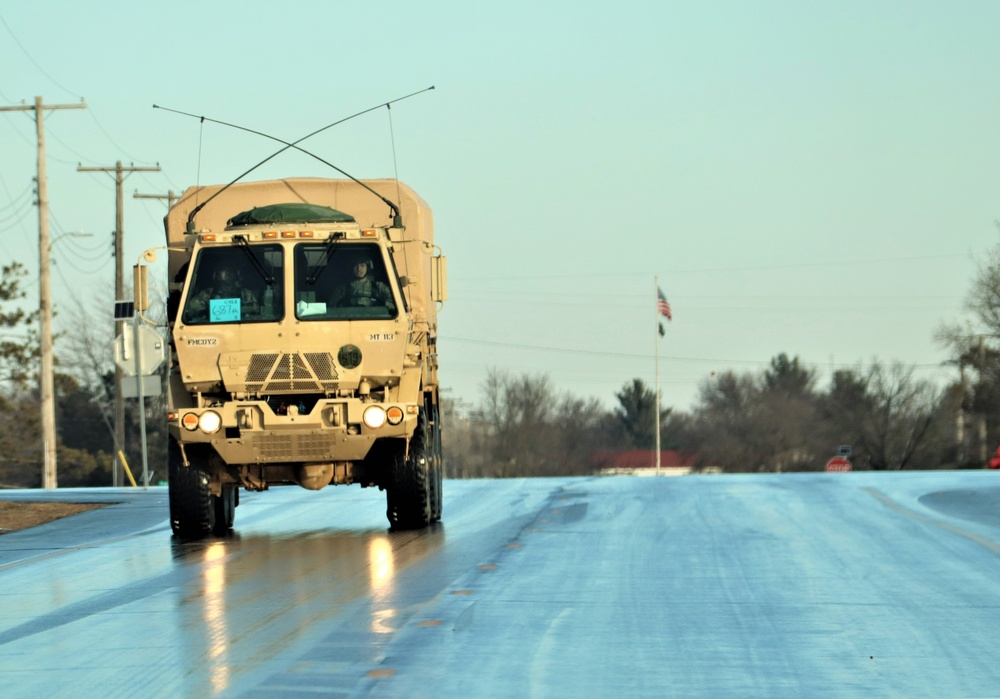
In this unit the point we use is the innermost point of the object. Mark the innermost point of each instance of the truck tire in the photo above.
(192, 507)
(437, 462)
(225, 509)
(409, 495)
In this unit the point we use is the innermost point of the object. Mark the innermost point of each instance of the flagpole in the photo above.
(656, 412)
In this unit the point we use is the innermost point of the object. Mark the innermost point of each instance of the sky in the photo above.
(814, 180)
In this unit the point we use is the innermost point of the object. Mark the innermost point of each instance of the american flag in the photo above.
(662, 305)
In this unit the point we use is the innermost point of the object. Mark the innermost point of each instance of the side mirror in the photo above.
(439, 278)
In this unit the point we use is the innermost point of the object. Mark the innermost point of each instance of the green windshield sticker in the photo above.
(224, 310)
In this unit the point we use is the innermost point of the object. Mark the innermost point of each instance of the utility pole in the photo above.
(120, 173)
(46, 383)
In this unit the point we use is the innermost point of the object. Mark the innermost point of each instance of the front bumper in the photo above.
(249, 432)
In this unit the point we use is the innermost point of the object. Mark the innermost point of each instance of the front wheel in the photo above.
(409, 495)
(192, 506)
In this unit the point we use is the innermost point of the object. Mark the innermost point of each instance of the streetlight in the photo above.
(46, 382)
(70, 234)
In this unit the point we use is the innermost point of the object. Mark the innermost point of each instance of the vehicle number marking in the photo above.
(224, 310)
(202, 341)
(381, 337)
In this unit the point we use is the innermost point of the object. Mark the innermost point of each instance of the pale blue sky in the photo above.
(808, 180)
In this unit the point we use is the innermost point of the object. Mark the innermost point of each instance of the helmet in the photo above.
(361, 259)
(226, 274)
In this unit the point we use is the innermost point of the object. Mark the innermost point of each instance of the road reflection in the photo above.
(383, 567)
(213, 577)
(247, 599)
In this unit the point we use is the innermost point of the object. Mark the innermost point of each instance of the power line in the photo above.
(16, 201)
(32, 59)
(108, 136)
(593, 353)
(17, 215)
(792, 265)
(627, 355)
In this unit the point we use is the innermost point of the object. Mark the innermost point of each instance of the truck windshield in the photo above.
(354, 286)
(226, 288)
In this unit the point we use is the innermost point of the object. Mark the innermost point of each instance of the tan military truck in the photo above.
(303, 325)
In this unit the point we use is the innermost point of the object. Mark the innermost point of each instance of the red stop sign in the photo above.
(838, 464)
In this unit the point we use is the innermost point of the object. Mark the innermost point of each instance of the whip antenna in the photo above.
(397, 217)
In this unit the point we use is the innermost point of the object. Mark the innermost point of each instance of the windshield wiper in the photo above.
(327, 254)
(244, 245)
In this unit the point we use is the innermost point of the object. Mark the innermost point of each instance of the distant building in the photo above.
(642, 462)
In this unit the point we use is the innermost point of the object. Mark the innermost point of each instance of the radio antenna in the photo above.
(397, 220)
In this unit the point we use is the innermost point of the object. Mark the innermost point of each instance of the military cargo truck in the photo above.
(303, 327)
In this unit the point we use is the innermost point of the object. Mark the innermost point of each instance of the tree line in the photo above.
(84, 391)
(774, 421)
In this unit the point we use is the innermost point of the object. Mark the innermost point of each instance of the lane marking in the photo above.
(893, 505)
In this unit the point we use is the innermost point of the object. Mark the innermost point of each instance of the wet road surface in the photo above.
(768, 585)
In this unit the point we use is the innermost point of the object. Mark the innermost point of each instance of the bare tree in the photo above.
(726, 424)
(87, 355)
(523, 427)
(975, 344)
(898, 420)
(579, 429)
(516, 413)
(983, 299)
(461, 459)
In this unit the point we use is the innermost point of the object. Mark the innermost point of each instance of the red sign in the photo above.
(838, 464)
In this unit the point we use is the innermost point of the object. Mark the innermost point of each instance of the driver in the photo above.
(226, 284)
(363, 289)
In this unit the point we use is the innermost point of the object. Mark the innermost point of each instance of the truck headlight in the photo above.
(374, 417)
(190, 421)
(210, 421)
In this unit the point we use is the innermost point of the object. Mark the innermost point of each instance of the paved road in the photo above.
(841, 585)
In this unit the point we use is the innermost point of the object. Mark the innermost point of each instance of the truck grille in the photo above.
(291, 373)
(295, 447)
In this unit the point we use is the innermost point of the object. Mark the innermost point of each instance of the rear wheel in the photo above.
(437, 468)
(225, 509)
(409, 494)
